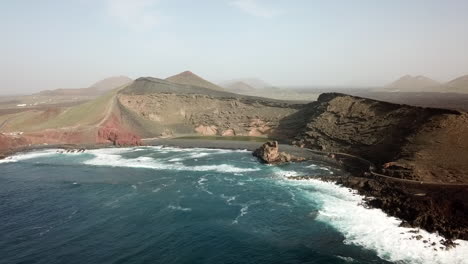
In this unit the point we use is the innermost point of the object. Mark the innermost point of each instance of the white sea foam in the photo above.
(202, 180)
(201, 183)
(199, 155)
(243, 211)
(228, 199)
(347, 259)
(373, 229)
(110, 151)
(113, 160)
(194, 153)
(29, 155)
(179, 208)
(284, 173)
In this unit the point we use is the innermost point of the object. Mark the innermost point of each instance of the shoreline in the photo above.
(428, 206)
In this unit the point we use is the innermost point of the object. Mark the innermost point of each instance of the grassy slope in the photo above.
(86, 114)
(23, 121)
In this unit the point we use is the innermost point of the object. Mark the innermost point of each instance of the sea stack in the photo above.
(269, 153)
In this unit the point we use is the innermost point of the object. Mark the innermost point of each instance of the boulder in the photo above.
(269, 153)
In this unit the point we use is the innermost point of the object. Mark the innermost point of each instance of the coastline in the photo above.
(437, 208)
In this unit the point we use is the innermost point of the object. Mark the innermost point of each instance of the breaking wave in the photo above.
(30, 155)
(373, 229)
(111, 160)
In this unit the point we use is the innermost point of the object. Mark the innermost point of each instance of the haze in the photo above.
(70, 44)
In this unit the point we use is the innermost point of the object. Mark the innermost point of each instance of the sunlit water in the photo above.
(171, 205)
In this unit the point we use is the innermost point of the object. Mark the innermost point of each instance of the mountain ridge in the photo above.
(189, 78)
(240, 87)
(459, 84)
(411, 83)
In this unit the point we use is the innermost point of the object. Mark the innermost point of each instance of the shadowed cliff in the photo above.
(404, 141)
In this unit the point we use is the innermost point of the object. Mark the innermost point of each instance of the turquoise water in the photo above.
(171, 205)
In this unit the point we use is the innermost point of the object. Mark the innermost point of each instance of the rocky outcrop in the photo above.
(269, 153)
(207, 130)
(112, 131)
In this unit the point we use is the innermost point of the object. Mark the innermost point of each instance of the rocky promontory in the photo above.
(415, 143)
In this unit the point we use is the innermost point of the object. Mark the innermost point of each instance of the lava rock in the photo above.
(269, 153)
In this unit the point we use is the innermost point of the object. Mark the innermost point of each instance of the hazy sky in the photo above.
(52, 44)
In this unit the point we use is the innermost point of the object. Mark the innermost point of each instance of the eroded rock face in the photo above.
(112, 131)
(207, 130)
(228, 133)
(269, 153)
(8, 143)
(416, 143)
(208, 115)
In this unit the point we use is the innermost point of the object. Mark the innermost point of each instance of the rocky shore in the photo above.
(435, 207)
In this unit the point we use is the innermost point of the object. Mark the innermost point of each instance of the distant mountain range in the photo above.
(421, 83)
(97, 88)
(111, 83)
(252, 82)
(239, 87)
(257, 87)
(460, 84)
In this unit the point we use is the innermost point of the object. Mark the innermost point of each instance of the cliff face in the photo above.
(176, 114)
(407, 142)
(167, 109)
(10, 142)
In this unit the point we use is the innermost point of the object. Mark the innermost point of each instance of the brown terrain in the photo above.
(416, 158)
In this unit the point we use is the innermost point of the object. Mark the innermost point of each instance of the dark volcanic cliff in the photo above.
(424, 144)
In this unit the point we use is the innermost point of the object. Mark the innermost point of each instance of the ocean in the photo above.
(176, 205)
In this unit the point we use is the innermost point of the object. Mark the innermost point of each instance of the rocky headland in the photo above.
(412, 162)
